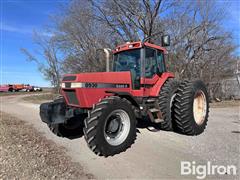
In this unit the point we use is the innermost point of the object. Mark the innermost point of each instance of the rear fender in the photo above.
(155, 90)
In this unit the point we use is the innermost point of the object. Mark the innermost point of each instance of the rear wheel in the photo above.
(166, 97)
(191, 108)
(111, 126)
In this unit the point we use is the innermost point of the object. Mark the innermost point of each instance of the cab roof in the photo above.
(136, 45)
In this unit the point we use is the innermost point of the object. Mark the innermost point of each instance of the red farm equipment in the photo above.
(16, 87)
(109, 106)
(4, 88)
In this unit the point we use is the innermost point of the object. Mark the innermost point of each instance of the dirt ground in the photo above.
(27, 154)
(154, 155)
(223, 104)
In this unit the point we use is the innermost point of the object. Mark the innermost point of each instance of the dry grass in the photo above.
(19, 93)
(40, 98)
(45, 90)
(223, 104)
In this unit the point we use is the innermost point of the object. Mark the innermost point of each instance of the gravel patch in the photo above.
(26, 154)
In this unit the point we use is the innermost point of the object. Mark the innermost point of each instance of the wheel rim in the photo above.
(117, 127)
(171, 101)
(199, 107)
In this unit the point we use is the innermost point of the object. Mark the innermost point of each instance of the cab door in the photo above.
(153, 68)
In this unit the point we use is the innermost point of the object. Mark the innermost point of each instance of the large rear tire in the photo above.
(166, 97)
(111, 126)
(191, 108)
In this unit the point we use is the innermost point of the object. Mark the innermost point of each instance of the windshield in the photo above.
(127, 61)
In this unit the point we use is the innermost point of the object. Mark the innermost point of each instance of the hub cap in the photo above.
(199, 107)
(117, 127)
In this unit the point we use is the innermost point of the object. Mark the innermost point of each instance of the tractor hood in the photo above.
(85, 89)
(97, 80)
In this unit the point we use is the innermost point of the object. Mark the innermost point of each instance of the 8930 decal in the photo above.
(91, 85)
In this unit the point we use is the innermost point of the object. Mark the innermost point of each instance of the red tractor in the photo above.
(109, 106)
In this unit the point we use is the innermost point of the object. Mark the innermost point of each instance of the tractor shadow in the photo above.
(80, 134)
(145, 123)
(235, 132)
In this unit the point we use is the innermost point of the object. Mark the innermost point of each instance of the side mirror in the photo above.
(165, 40)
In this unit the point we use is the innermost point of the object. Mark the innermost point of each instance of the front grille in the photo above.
(69, 78)
(71, 97)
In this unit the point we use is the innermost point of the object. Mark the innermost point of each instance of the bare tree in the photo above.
(50, 63)
(131, 20)
(79, 36)
(200, 48)
(89, 25)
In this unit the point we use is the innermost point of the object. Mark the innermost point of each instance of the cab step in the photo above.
(158, 120)
(155, 115)
(153, 110)
(152, 100)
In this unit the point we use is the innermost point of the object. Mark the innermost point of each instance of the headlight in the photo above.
(76, 85)
(72, 85)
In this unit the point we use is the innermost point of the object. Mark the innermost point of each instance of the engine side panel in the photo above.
(89, 88)
(93, 86)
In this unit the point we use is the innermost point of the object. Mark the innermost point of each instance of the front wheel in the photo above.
(111, 126)
(191, 108)
(72, 129)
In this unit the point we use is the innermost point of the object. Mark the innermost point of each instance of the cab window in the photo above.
(150, 63)
(160, 62)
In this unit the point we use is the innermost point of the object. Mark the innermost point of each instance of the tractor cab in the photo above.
(143, 60)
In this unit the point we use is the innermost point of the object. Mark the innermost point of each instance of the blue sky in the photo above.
(18, 20)
(20, 17)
